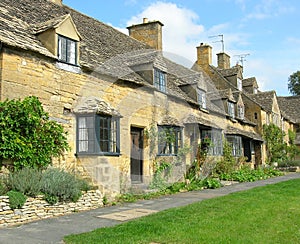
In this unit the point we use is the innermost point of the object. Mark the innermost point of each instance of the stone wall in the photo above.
(37, 208)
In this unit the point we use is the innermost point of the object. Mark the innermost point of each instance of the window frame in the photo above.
(241, 111)
(90, 139)
(201, 97)
(160, 80)
(231, 109)
(239, 84)
(216, 138)
(169, 148)
(236, 143)
(65, 55)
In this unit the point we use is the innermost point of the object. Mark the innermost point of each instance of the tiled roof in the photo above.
(229, 72)
(99, 42)
(250, 82)
(290, 107)
(169, 120)
(264, 99)
(194, 119)
(97, 106)
(235, 131)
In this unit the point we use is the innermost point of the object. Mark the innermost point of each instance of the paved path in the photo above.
(53, 230)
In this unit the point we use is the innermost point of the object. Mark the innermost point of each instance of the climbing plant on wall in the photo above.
(276, 147)
(27, 137)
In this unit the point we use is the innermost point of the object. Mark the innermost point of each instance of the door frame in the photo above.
(137, 160)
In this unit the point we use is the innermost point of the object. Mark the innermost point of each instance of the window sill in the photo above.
(68, 67)
(97, 154)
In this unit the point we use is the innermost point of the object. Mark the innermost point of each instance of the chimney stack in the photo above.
(204, 55)
(223, 60)
(149, 32)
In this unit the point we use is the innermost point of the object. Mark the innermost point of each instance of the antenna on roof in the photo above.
(242, 58)
(221, 40)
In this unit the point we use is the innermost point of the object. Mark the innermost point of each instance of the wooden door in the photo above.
(136, 156)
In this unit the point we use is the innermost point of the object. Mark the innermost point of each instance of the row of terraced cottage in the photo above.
(116, 94)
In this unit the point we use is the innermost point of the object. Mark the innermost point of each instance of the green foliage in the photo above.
(64, 185)
(228, 163)
(26, 181)
(160, 176)
(16, 199)
(292, 149)
(27, 137)
(51, 199)
(3, 187)
(212, 183)
(294, 83)
(246, 174)
(276, 147)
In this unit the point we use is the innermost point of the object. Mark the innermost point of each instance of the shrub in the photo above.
(228, 163)
(26, 181)
(64, 185)
(212, 183)
(3, 187)
(27, 137)
(16, 199)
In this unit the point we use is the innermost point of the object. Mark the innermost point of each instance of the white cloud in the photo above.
(268, 9)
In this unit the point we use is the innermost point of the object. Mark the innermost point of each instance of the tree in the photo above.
(276, 147)
(294, 83)
(27, 137)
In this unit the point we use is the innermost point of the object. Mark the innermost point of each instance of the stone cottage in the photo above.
(125, 106)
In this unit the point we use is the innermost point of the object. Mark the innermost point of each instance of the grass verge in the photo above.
(268, 214)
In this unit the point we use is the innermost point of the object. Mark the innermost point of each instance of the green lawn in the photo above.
(269, 214)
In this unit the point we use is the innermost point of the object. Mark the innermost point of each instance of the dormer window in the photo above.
(201, 98)
(160, 80)
(241, 112)
(67, 50)
(239, 84)
(231, 109)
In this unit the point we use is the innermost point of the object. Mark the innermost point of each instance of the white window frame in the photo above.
(67, 50)
(160, 80)
(201, 98)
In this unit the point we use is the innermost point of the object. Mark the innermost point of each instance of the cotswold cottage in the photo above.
(116, 95)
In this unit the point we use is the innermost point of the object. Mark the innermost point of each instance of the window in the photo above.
(231, 109)
(67, 50)
(98, 134)
(236, 144)
(239, 84)
(201, 98)
(241, 111)
(215, 138)
(160, 80)
(169, 140)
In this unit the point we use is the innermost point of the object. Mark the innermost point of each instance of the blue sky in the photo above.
(265, 31)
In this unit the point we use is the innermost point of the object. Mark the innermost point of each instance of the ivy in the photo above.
(27, 137)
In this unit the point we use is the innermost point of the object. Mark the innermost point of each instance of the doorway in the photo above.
(136, 155)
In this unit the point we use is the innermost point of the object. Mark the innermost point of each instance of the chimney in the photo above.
(149, 32)
(223, 60)
(58, 2)
(204, 55)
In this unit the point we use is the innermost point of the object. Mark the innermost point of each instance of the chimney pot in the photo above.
(145, 20)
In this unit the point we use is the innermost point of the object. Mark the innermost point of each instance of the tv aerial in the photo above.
(242, 58)
(221, 39)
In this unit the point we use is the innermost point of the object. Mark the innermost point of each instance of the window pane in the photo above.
(71, 52)
(169, 140)
(67, 50)
(160, 80)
